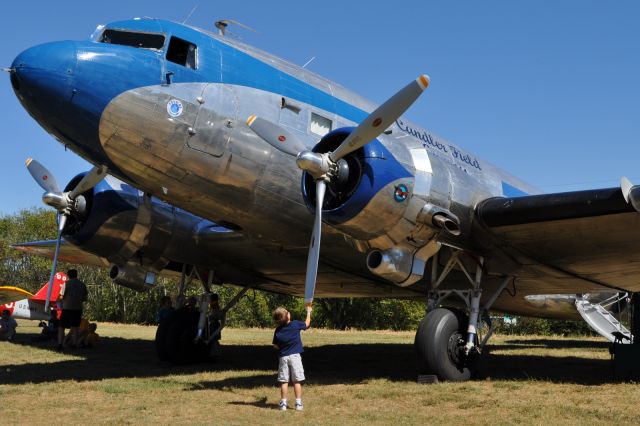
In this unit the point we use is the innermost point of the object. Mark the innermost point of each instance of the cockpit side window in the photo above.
(133, 39)
(183, 53)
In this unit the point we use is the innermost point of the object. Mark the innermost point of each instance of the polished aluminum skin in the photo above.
(190, 144)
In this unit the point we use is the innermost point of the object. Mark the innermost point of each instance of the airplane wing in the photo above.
(568, 242)
(10, 294)
(68, 252)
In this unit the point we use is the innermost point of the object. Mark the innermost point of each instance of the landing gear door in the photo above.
(216, 120)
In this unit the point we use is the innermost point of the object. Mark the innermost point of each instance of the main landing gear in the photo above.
(189, 335)
(447, 339)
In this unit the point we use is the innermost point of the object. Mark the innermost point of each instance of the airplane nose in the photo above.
(42, 77)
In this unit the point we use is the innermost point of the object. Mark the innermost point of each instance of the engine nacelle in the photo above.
(397, 211)
(133, 276)
(403, 267)
(370, 192)
(138, 235)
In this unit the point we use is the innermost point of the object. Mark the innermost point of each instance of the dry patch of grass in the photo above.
(353, 377)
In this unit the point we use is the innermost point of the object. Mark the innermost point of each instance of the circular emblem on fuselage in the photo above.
(174, 108)
(401, 193)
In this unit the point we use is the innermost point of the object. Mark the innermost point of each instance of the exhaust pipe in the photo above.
(400, 265)
(440, 218)
(446, 223)
(133, 276)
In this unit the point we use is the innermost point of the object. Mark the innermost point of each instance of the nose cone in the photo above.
(43, 78)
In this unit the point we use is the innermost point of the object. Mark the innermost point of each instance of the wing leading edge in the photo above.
(68, 252)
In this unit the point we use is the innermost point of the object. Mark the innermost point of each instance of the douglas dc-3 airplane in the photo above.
(219, 156)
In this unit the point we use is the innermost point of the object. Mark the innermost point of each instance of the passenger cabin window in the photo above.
(320, 125)
(182, 52)
(133, 39)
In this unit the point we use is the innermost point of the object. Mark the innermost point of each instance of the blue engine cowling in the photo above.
(137, 234)
(371, 194)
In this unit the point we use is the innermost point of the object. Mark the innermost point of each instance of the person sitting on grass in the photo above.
(7, 326)
(93, 337)
(89, 338)
(286, 339)
(49, 329)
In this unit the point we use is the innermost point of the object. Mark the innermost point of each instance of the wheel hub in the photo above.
(455, 349)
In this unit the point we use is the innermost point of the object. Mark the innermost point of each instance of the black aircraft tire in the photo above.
(190, 350)
(436, 340)
(180, 334)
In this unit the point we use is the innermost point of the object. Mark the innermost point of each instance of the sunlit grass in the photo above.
(353, 378)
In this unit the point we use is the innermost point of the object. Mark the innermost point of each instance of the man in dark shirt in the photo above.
(286, 339)
(72, 294)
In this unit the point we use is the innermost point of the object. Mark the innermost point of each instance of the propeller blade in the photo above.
(62, 220)
(276, 136)
(380, 119)
(630, 192)
(314, 247)
(625, 185)
(43, 177)
(91, 179)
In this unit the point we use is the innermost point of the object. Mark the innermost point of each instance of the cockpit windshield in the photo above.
(133, 39)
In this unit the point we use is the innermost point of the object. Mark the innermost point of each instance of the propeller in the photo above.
(64, 202)
(327, 167)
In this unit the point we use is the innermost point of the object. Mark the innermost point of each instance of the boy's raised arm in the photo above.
(307, 321)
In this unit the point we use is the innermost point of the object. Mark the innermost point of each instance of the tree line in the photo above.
(110, 302)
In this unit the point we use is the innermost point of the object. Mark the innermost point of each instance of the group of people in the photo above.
(214, 317)
(81, 333)
(83, 336)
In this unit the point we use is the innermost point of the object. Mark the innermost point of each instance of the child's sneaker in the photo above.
(283, 405)
(299, 406)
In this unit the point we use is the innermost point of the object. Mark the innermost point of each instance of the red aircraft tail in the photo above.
(58, 279)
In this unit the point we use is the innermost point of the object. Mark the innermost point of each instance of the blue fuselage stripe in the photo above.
(222, 63)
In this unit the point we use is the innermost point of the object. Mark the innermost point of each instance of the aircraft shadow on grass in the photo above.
(328, 364)
(558, 344)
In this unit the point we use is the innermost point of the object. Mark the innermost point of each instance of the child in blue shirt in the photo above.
(286, 339)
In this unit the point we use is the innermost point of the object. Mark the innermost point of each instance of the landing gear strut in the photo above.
(447, 339)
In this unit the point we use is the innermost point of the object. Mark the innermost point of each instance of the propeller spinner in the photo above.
(64, 202)
(324, 167)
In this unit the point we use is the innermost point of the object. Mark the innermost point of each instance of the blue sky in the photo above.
(549, 91)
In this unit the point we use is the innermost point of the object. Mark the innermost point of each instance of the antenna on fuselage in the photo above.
(308, 62)
(191, 13)
(222, 25)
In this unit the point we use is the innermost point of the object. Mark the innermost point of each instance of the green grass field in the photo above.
(353, 378)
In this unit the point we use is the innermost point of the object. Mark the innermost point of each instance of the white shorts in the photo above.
(290, 369)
